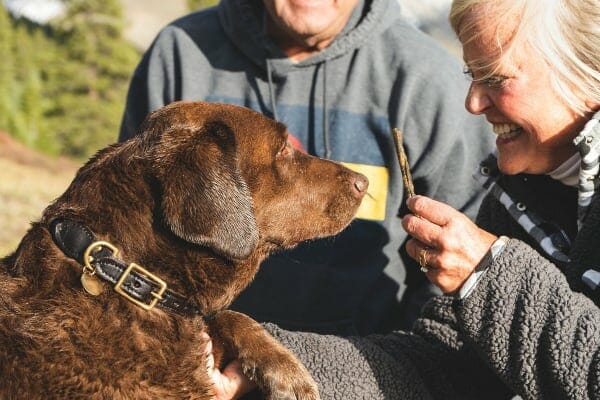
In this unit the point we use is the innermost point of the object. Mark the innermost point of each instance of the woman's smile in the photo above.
(506, 131)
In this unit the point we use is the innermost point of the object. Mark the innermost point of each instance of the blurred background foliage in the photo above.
(63, 84)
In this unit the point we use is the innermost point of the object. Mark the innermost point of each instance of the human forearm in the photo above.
(352, 368)
(430, 362)
(538, 335)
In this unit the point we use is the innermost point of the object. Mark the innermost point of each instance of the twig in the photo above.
(404, 167)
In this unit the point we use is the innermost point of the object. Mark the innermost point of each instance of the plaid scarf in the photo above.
(588, 144)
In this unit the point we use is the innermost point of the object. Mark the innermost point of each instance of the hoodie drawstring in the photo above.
(272, 91)
(326, 143)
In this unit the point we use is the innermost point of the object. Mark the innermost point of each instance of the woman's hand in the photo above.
(446, 243)
(231, 383)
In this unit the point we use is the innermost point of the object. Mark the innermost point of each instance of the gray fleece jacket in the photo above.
(341, 103)
(530, 326)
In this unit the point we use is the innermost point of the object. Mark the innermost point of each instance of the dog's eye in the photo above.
(285, 152)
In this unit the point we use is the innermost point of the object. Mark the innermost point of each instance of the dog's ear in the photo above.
(205, 199)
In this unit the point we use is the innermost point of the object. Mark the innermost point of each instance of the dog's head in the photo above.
(220, 176)
(202, 186)
(230, 179)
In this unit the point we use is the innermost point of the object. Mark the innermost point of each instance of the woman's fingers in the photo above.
(446, 244)
(431, 210)
(229, 384)
(431, 220)
(422, 229)
(424, 254)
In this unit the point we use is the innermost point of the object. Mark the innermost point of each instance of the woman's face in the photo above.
(534, 128)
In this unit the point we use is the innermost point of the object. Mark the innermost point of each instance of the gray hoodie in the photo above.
(341, 103)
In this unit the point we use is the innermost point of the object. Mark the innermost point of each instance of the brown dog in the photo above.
(184, 214)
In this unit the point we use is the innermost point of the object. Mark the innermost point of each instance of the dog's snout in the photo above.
(360, 184)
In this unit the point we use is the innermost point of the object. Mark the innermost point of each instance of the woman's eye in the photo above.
(468, 72)
(495, 82)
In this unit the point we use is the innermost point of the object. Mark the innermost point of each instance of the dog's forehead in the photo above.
(255, 127)
(252, 130)
(250, 127)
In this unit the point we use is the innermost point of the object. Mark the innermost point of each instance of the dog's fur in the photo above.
(199, 198)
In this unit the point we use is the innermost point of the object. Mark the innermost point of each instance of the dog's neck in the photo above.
(193, 271)
(101, 264)
(209, 283)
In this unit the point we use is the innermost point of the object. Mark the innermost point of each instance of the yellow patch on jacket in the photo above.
(373, 204)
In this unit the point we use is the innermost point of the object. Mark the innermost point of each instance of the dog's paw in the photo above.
(276, 371)
(283, 377)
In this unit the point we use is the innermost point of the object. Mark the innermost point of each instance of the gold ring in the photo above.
(423, 260)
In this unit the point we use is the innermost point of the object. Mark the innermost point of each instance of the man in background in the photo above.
(340, 74)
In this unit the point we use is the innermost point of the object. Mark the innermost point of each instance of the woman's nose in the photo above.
(477, 101)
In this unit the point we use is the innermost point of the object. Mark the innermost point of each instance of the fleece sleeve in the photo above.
(430, 363)
(538, 335)
(352, 368)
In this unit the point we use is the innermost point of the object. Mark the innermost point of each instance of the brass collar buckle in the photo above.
(92, 284)
(157, 295)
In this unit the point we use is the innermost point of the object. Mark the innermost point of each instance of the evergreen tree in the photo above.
(96, 77)
(63, 86)
(7, 69)
(28, 112)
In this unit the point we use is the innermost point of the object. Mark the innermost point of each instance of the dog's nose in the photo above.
(361, 184)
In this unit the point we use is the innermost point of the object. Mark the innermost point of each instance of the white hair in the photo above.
(565, 34)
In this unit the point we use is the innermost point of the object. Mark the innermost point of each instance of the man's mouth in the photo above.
(506, 131)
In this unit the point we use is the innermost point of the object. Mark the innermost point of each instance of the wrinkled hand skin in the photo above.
(274, 369)
(454, 244)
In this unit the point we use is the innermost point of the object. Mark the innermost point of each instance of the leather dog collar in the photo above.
(131, 281)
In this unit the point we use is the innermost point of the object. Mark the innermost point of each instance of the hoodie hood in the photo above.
(244, 23)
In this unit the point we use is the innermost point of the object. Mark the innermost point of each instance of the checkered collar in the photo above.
(588, 144)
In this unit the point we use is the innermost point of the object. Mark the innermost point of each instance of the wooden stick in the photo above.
(404, 167)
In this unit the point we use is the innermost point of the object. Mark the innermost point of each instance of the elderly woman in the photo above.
(520, 314)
